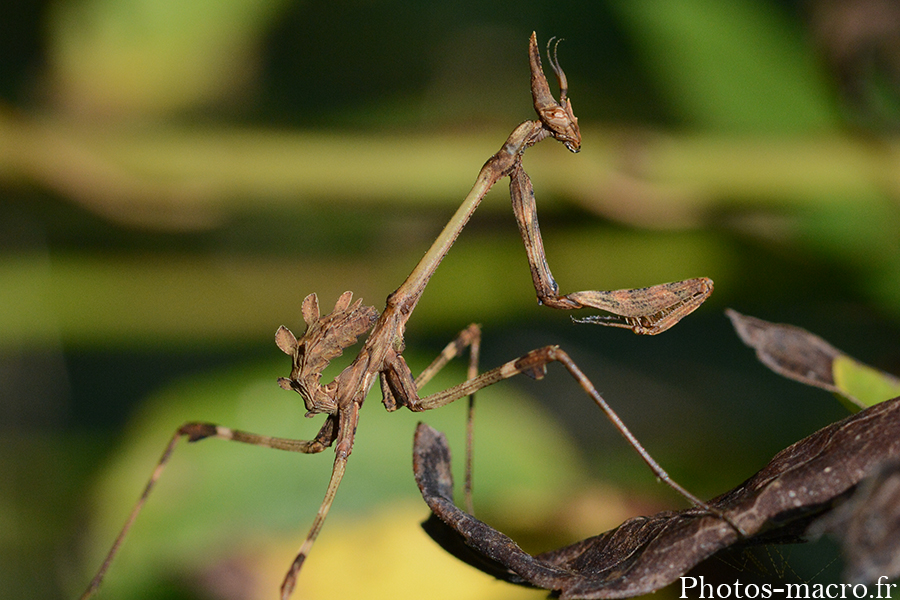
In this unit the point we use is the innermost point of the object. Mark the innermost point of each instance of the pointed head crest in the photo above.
(557, 117)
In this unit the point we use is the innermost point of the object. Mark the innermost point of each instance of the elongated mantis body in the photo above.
(644, 311)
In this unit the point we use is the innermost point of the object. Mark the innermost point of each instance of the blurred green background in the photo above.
(175, 176)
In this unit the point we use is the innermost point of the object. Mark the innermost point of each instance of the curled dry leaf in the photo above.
(805, 357)
(788, 350)
(867, 525)
(644, 554)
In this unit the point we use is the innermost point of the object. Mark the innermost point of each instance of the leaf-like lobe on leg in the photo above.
(325, 339)
(310, 309)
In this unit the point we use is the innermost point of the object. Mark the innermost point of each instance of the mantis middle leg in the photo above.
(534, 364)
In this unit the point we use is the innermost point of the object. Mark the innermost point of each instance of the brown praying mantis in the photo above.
(647, 311)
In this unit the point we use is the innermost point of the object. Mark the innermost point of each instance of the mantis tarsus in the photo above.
(645, 311)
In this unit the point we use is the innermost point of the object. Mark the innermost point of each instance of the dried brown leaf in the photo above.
(644, 554)
(788, 350)
(867, 525)
(802, 356)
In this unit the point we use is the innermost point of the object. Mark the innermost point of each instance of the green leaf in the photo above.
(868, 385)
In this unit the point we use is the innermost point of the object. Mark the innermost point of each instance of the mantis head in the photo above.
(556, 117)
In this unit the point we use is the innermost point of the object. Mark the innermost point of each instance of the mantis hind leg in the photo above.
(195, 431)
(468, 338)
